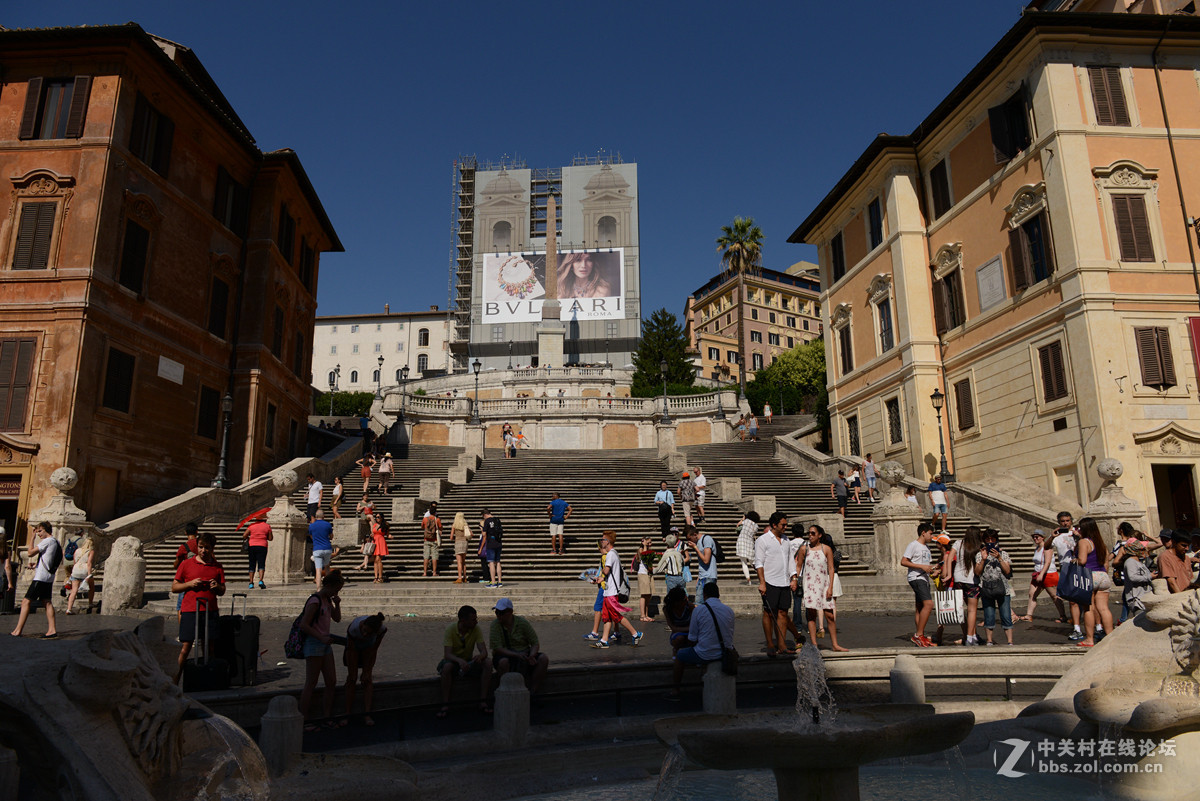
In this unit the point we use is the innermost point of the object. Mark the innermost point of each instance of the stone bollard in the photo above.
(124, 576)
(907, 680)
(720, 691)
(349, 532)
(282, 735)
(510, 719)
(10, 774)
(288, 552)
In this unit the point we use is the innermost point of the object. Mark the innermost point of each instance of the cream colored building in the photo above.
(1027, 251)
(347, 348)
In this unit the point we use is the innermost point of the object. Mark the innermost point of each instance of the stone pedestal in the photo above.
(719, 431)
(550, 338)
(10, 774)
(727, 489)
(895, 521)
(907, 680)
(124, 576)
(289, 524)
(470, 460)
(408, 509)
(348, 532)
(460, 475)
(1112, 506)
(282, 735)
(511, 717)
(665, 439)
(763, 504)
(676, 463)
(720, 691)
(66, 519)
(834, 525)
(434, 488)
(473, 438)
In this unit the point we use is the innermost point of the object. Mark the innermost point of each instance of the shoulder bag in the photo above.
(729, 656)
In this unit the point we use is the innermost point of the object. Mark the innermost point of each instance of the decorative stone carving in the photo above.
(1185, 634)
(1112, 506)
(947, 259)
(892, 472)
(64, 517)
(42, 182)
(124, 576)
(1110, 470)
(142, 208)
(1026, 203)
(64, 479)
(880, 287)
(840, 317)
(1171, 439)
(1171, 446)
(1126, 174)
(285, 481)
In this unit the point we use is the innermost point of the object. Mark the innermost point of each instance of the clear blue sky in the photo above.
(752, 109)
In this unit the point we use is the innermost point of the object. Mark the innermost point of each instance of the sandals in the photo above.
(368, 720)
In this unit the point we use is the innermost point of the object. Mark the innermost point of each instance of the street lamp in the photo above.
(333, 383)
(510, 354)
(475, 365)
(666, 418)
(379, 380)
(227, 409)
(939, 400)
(720, 406)
(606, 364)
(403, 389)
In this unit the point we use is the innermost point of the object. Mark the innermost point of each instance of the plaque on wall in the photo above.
(990, 280)
(170, 370)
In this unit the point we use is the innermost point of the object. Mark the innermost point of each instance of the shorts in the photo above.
(1051, 580)
(700, 497)
(613, 611)
(841, 499)
(871, 482)
(39, 591)
(1101, 581)
(688, 656)
(312, 510)
(515, 664)
(258, 557)
(968, 590)
(79, 575)
(321, 559)
(556, 529)
(687, 509)
(187, 628)
(491, 554)
(314, 647)
(679, 639)
(920, 588)
(429, 550)
(473, 667)
(645, 584)
(941, 509)
(599, 599)
(460, 547)
(777, 599)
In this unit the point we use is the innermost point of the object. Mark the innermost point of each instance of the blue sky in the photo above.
(751, 109)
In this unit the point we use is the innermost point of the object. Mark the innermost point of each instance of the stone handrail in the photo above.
(808, 460)
(439, 408)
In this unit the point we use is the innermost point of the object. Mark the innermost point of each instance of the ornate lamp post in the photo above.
(403, 389)
(606, 364)
(379, 380)
(475, 365)
(939, 400)
(333, 385)
(510, 354)
(227, 409)
(662, 366)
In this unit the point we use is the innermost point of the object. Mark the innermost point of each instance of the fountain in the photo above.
(816, 752)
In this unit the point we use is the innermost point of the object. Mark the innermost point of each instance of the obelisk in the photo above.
(550, 330)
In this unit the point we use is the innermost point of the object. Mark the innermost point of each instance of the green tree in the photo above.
(345, 404)
(740, 246)
(797, 380)
(662, 338)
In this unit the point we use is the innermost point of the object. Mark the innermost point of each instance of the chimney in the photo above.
(387, 308)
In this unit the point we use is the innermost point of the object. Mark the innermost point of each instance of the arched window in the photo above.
(353, 376)
(398, 379)
(422, 363)
(606, 232)
(375, 376)
(332, 378)
(423, 337)
(502, 235)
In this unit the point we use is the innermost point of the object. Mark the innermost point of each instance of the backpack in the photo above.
(718, 553)
(69, 553)
(991, 583)
(293, 646)
(622, 585)
(56, 555)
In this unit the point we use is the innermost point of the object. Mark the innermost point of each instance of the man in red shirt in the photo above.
(1173, 563)
(200, 579)
(186, 551)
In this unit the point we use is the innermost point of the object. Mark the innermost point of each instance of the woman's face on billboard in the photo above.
(582, 267)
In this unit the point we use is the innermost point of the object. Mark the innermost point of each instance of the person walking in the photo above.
(379, 537)
(1065, 543)
(365, 464)
(321, 610)
(752, 428)
(320, 531)
(701, 486)
(313, 496)
(45, 555)
(558, 511)
(937, 499)
(706, 550)
(643, 564)
(774, 561)
(431, 535)
(364, 635)
(868, 473)
(1092, 554)
(687, 496)
(855, 484)
(672, 563)
(81, 573)
(664, 501)
(814, 560)
(613, 613)
(493, 542)
(919, 562)
(1044, 577)
(962, 558)
(839, 490)
(339, 490)
(386, 466)
(256, 536)
(992, 570)
(460, 534)
(747, 534)
(767, 413)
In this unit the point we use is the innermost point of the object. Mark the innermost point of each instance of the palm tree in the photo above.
(740, 246)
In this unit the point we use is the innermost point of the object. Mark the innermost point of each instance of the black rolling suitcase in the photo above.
(211, 673)
(238, 642)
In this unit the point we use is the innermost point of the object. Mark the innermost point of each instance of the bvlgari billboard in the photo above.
(590, 286)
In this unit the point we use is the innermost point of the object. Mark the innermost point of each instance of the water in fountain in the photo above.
(668, 775)
(814, 701)
(958, 772)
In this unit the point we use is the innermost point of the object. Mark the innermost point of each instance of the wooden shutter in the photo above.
(137, 133)
(1018, 263)
(79, 103)
(1154, 356)
(1133, 228)
(939, 180)
(163, 139)
(964, 404)
(33, 99)
(939, 306)
(1164, 352)
(34, 233)
(133, 256)
(1054, 374)
(16, 373)
(1108, 95)
(1002, 149)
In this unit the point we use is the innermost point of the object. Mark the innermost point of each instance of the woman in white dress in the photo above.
(81, 571)
(747, 534)
(815, 561)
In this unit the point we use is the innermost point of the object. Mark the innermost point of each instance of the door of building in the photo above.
(1183, 495)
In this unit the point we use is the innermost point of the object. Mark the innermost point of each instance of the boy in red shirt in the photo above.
(200, 579)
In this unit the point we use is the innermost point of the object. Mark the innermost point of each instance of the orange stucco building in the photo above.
(152, 259)
(1028, 252)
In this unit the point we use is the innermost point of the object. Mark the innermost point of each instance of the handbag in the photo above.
(1075, 583)
(948, 605)
(687, 575)
(368, 548)
(729, 656)
(293, 646)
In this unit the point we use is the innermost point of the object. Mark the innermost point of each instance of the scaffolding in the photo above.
(462, 260)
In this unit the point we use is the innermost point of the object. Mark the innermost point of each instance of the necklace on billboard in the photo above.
(520, 277)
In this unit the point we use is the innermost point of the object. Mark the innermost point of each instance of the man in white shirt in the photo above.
(612, 611)
(919, 562)
(1064, 544)
(315, 489)
(708, 618)
(44, 555)
(701, 483)
(774, 560)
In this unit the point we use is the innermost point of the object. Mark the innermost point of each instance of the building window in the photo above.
(55, 108)
(353, 376)
(399, 377)
(298, 356)
(964, 404)
(423, 338)
(277, 336)
(333, 376)
(731, 356)
(497, 333)
(333, 350)
(285, 238)
(378, 347)
(16, 381)
(333, 329)
(837, 256)
(791, 322)
(791, 342)
(756, 336)
(118, 381)
(771, 317)
(502, 235)
(308, 266)
(610, 330)
(208, 410)
(152, 136)
(756, 361)
(754, 314)
(1009, 123)
(1054, 374)
(422, 363)
(354, 348)
(874, 224)
(1108, 96)
(1154, 355)
(883, 312)
(852, 441)
(846, 349)
(1133, 228)
(34, 233)
(218, 308)
(354, 329)
(1032, 252)
(714, 354)
(378, 326)
(375, 376)
(948, 302)
(134, 252)
(399, 347)
(772, 339)
(939, 187)
(231, 203)
(805, 325)
(293, 437)
(269, 436)
(606, 230)
(895, 424)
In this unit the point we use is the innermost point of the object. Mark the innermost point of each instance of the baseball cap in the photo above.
(944, 539)
(1037, 532)
(686, 474)
(503, 605)
(1166, 534)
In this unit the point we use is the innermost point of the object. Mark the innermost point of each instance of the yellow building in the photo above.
(1028, 251)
